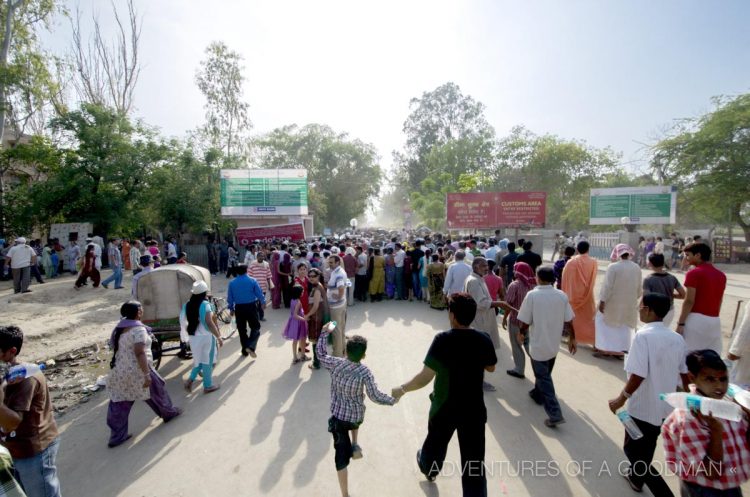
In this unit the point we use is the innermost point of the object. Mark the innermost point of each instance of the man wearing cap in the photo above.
(350, 266)
(147, 263)
(336, 287)
(243, 297)
(618, 302)
(21, 257)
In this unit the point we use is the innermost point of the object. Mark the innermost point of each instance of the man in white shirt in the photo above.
(250, 256)
(171, 252)
(360, 279)
(655, 364)
(336, 287)
(455, 279)
(544, 313)
(398, 259)
(21, 257)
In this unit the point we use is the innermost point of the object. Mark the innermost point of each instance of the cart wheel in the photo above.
(156, 352)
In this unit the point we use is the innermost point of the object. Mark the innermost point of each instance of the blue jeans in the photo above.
(116, 276)
(38, 474)
(400, 294)
(416, 285)
(544, 389)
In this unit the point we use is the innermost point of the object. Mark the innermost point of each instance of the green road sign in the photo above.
(636, 205)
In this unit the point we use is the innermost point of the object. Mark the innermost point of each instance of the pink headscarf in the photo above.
(619, 250)
(522, 272)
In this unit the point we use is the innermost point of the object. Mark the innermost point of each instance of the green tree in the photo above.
(709, 159)
(565, 169)
(220, 80)
(25, 81)
(104, 171)
(429, 201)
(444, 117)
(183, 193)
(343, 173)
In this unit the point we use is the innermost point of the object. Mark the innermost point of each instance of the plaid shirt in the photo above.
(686, 443)
(348, 380)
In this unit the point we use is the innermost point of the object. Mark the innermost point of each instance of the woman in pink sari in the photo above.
(276, 280)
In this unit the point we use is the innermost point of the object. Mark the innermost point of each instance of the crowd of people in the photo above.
(484, 284)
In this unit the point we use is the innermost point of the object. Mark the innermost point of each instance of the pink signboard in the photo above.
(292, 232)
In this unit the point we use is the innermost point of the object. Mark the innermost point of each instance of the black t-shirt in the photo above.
(663, 283)
(416, 256)
(531, 258)
(458, 358)
(508, 262)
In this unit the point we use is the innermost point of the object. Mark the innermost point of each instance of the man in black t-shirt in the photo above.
(507, 263)
(457, 360)
(416, 255)
(531, 258)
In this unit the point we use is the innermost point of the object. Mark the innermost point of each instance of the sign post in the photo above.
(639, 205)
(490, 210)
(264, 192)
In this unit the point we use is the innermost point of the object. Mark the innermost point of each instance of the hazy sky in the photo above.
(613, 73)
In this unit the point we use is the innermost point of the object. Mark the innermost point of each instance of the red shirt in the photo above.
(350, 265)
(709, 284)
(494, 285)
(304, 298)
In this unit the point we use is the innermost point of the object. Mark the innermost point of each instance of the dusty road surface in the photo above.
(264, 431)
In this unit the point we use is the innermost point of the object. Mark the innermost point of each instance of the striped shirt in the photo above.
(337, 280)
(349, 380)
(261, 272)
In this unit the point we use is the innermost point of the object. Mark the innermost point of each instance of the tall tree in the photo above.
(343, 173)
(442, 116)
(106, 72)
(220, 79)
(708, 157)
(25, 81)
(105, 168)
(565, 169)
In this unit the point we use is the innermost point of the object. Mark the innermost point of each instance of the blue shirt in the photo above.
(244, 290)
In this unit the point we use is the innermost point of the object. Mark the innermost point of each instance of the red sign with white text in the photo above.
(292, 232)
(496, 209)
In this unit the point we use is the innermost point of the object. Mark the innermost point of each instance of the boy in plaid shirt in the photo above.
(349, 379)
(710, 455)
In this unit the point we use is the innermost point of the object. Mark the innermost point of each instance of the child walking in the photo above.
(296, 327)
(350, 379)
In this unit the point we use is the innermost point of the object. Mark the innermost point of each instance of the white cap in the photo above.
(21, 240)
(199, 287)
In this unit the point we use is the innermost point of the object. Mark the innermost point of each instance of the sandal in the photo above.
(313, 366)
(295, 361)
(304, 358)
(188, 385)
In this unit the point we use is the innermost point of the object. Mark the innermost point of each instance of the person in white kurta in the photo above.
(485, 319)
(618, 304)
(739, 351)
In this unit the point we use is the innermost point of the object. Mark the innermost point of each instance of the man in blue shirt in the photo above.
(242, 297)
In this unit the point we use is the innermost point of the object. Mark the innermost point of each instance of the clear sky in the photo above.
(612, 73)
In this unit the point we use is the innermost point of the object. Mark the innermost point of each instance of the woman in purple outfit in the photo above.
(133, 376)
(296, 327)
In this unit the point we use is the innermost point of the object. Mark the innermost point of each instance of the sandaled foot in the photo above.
(210, 389)
(188, 385)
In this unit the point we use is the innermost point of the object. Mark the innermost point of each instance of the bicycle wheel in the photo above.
(228, 330)
(222, 311)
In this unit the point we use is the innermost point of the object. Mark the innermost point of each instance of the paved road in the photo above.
(264, 432)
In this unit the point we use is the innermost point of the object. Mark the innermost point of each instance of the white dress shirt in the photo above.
(455, 279)
(657, 354)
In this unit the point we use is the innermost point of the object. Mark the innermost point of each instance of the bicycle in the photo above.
(223, 315)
